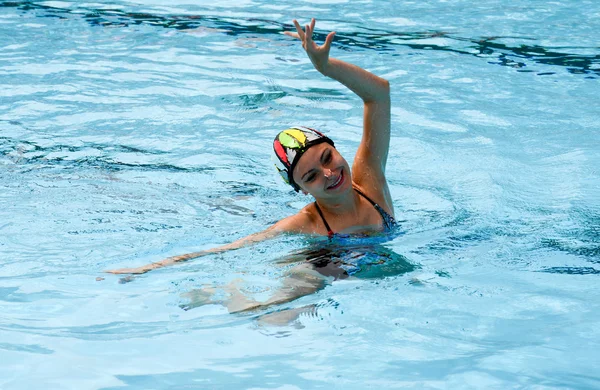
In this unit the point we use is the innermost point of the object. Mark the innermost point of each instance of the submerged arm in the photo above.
(294, 223)
(251, 239)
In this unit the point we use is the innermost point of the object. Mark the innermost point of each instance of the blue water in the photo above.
(132, 131)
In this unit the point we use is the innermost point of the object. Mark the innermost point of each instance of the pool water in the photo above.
(133, 131)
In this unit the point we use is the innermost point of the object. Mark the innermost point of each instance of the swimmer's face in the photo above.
(323, 172)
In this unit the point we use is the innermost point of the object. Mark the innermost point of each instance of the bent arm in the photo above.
(372, 153)
(369, 87)
(375, 92)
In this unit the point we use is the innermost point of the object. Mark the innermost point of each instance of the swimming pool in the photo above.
(132, 131)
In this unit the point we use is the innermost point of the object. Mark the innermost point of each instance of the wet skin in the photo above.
(323, 172)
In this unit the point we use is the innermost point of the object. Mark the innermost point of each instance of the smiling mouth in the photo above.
(338, 182)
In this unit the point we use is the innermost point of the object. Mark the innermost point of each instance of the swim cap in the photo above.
(290, 145)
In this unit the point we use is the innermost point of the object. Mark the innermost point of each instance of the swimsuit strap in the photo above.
(330, 232)
(366, 197)
(388, 220)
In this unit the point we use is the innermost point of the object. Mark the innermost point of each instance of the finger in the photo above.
(299, 29)
(329, 39)
(308, 34)
(291, 34)
(312, 24)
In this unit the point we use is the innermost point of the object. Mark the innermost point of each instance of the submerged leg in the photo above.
(200, 297)
(298, 282)
(286, 317)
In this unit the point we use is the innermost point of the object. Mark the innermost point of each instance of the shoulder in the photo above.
(303, 222)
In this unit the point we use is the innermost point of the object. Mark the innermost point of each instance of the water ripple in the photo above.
(504, 54)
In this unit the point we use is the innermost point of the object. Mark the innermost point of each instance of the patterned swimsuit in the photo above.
(389, 223)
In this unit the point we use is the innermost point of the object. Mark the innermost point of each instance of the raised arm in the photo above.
(372, 153)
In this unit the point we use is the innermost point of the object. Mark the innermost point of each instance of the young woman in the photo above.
(347, 201)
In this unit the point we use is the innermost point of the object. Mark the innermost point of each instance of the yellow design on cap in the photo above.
(297, 134)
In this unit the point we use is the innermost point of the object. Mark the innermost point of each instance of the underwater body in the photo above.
(134, 131)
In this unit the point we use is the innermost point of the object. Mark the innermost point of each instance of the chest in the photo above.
(366, 219)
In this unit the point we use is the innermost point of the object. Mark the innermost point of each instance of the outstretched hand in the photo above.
(319, 55)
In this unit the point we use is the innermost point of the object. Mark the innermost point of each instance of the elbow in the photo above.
(380, 92)
(385, 86)
(383, 90)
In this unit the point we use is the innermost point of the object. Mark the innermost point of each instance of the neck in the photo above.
(344, 204)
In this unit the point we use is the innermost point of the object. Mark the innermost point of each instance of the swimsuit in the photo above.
(363, 261)
(389, 223)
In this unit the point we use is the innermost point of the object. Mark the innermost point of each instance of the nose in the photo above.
(327, 173)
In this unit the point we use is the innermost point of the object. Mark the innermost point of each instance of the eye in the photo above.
(327, 157)
(310, 178)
